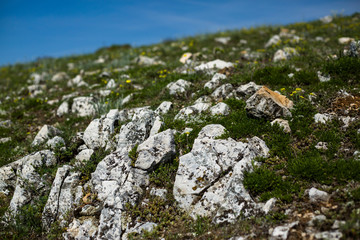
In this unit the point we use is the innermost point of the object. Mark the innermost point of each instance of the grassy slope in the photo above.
(294, 164)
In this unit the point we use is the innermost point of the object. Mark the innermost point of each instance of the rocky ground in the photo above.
(246, 134)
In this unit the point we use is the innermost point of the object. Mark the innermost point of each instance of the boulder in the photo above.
(35, 90)
(59, 77)
(215, 81)
(216, 64)
(246, 90)
(284, 54)
(322, 118)
(209, 178)
(62, 197)
(191, 112)
(147, 61)
(179, 87)
(83, 156)
(155, 150)
(345, 40)
(284, 124)
(282, 232)
(164, 107)
(111, 84)
(98, 133)
(220, 109)
(316, 195)
(83, 106)
(45, 133)
(81, 229)
(223, 40)
(223, 92)
(268, 104)
(55, 142)
(156, 126)
(273, 41)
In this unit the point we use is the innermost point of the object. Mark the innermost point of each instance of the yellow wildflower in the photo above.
(301, 96)
(312, 94)
(128, 81)
(282, 89)
(294, 92)
(298, 89)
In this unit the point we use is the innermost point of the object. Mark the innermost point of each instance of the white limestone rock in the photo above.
(284, 124)
(269, 205)
(326, 19)
(127, 99)
(215, 81)
(155, 150)
(156, 126)
(322, 146)
(179, 87)
(127, 114)
(83, 156)
(282, 232)
(216, 64)
(329, 235)
(284, 54)
(59, 77)
(83, 106)
(273, 41)
(5, 140)
(220, 109)
(81, 229)
(77, 82)
(164, 107)
(223, 40)
(147, 61)
(28, 177)
(316, 219)
(268, 104)
(139, 228)
(316, 195)
(323, 78)
(98, 133)
(55, 142)
(246, 90)
(61, 197)
(345, 40)
(191, 112)
(44, 134)
(8, 177)
(159, 192)
(322, 118)
(200, 186)
(6, 123)
(225, 91)
(111, 84)
(35, 90)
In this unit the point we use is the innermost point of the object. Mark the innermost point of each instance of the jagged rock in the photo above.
(81, 229)
(225, 91)
(203, 99)
(44, 134)
(164, 107)
(77, 82)
(5, 140)
(284, 124)
(62, 196)
(323, 78)
(216, 64)
(83, 106)
(209, 178)
(37, 78)
(99, 131)
(247, 90)
(155, 150)
(105, 93)
(273, 41)
(139, 228)
(281, 232)
(55, 142)
(220, 109)
(156, 126)
(284, 54)
(35, 90)
(322, 118)
(326, 19)
(337, 224)
(179, 87)
(316, 195)
(58, 77)
(127, 114)
(345, 40)
(316, 219)
(83, 156)
(127, 99)
(111, 84)
(186, 56)
(161, 193)
(215, 81)
(116, 183)
(147, 61)
(269, 205)
(6, 124)
(268, 104)
(223, 40)
(329, 235)
(28, 180)
(8, 176)
(321, 146)
(136, 131)
(354, 49)
(191, 112)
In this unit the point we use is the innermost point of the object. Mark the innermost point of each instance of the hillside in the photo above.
(243, 134)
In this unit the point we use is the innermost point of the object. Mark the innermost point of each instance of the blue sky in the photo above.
(31, 29)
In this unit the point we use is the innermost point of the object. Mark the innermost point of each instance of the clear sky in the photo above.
(32, 28)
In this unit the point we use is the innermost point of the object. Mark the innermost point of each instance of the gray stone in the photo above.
(61, 197)
(268, 104)
(156, 126)
(215, 81)
(282, 232)
(77, 82)
(55, 142)
(155, 150)
(246, 90)
(225, 91)
(105, 93)
(147, 61)
(223, 40)
(179, 87)
(81, 229)
(216, 64)
(6, 124)
(127, 99)
(83, 156)
(98, 133)
(273, 41)
(59, 77)
(329, 235)
(323, 78)
(28, 178)
(321, 146)
(111, 84)
(164, 107)
(83, 106)
(44, 134)
(220, 109)
(203, 99)
(316, 195)
(209, 178)
(322, 118)
(269, 205)
(284, 124)
(284, 54)
(337, 224)
(35, 90)
(316, 219)
(191, 112)
(5, 140)
(8, 177)
(139, 228)
(161, 193)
